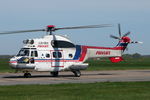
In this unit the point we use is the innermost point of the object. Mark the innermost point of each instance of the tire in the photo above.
(77, 73)
(27, 75)
(54, 74)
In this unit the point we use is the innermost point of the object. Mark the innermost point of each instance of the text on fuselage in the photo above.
(43, 44)
(103, 53)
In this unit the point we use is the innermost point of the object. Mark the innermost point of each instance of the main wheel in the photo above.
(27, 75)
(77, 73)
(54, 74)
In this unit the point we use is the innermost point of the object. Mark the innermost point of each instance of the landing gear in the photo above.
(27, 75)
(77, 73)
(54, 74)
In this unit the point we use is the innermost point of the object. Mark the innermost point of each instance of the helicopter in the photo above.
(55, 53)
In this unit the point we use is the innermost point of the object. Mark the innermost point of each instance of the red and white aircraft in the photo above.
(55, 53)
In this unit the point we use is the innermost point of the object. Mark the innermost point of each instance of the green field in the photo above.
(89, 91)
(128, 63)
(4, 65)
(102, 64)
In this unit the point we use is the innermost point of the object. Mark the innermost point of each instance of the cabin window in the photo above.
(62, 44)
(47, 55)
(70, 55)
(57, 54)
(34, 54)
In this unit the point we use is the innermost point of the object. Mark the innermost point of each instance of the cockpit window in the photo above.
(62, 44)
(23, 52)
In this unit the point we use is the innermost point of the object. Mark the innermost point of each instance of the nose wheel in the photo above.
(27, 75)
(77, 73)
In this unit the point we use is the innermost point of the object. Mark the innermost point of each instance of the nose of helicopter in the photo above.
(13, 62)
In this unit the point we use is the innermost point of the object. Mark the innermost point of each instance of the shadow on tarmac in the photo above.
(59, 76)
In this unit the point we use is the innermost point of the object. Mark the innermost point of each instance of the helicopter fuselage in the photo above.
(57, 53)
(54, 53)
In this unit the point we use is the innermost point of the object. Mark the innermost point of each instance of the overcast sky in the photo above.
(134, 16)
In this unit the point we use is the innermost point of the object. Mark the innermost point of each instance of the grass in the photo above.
(127, 64)
(102, 64)
(4, 65)
(89, 91)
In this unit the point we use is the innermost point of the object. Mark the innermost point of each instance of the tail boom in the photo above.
(114, 53)
(98, 52)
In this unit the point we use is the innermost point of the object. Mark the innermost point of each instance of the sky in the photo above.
(133, 15)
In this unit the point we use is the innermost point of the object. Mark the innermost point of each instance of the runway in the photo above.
(68, 77)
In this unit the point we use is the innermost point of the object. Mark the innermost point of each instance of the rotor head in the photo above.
(125, 39)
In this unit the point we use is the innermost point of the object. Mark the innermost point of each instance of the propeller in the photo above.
(51, 28)
(124, 37)
(119, 29)
(126, 34)
(115, 37)
(120, 34)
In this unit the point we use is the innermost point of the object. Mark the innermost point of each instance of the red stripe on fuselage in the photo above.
(56, 60)
(12, 61)
(83, 53)
(114, 48)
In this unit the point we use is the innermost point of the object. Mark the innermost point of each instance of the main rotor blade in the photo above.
(50, 29)
(88, 26)
(22, 31)
(119, 29)
(114, 37)
(126, 34)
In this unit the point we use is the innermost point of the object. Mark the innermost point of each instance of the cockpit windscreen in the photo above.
(23, 52)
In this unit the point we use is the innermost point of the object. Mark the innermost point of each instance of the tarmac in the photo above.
(68, 77)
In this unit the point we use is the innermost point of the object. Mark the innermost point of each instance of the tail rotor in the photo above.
(120, 34)
(124, 40)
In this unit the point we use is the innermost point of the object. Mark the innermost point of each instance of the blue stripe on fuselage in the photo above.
(78, 52)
